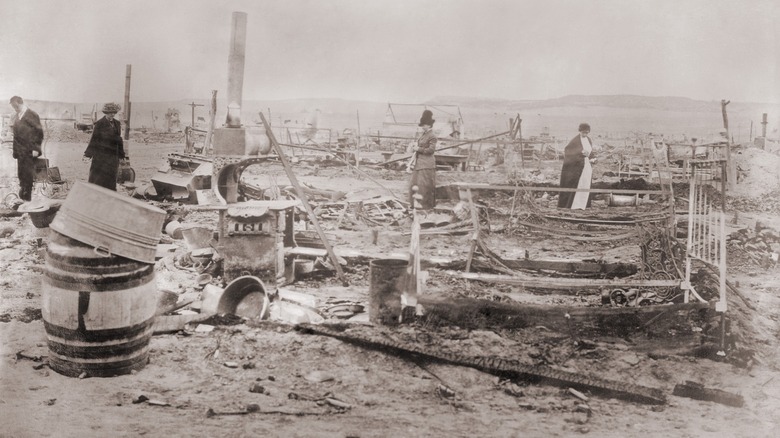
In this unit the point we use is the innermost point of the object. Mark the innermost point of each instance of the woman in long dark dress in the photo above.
(424, 166)
(105, 148)
(576, 171)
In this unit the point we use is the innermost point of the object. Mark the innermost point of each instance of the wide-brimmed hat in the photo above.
(111, 107)
(427, 118)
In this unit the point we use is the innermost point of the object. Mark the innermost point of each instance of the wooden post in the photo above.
(357, 146)
(763, 125)
(413, 278)
(730, 166)
(127, 101)
(193, 105)
(304, 200)
(520, 140)
(207, 147)
(475, 236)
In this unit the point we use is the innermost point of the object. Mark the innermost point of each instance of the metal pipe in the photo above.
(236, 69)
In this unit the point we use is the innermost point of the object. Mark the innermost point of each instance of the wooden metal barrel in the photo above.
(98, 310)
(387, 281)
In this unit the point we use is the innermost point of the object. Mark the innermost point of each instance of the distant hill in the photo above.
(609, 115)
(673, 103)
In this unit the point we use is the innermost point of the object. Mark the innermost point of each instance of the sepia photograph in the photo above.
(390, 218)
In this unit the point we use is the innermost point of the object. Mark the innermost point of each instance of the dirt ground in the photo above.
(306, 385)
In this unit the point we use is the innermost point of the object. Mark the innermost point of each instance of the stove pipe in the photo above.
(236, 69)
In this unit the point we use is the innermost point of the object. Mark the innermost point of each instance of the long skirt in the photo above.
(570, 179)
(425, 180)
(582, 199)
(103, 170)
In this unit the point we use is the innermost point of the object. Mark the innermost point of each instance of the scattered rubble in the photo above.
(759, 247)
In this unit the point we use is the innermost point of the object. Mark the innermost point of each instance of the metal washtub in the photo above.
(111, 223)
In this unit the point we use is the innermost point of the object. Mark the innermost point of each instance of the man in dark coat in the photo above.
(105, 149)
(576, 166)
(28, 136)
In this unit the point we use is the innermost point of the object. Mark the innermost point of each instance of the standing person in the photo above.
(576, 171)
(28, 136)
(105, 148)
(424, 167)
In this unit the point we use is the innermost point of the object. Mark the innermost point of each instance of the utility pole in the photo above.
(212, 120)
(357, 146)
(127, 101)
(763, 125)
(731, 170)
(193, 105)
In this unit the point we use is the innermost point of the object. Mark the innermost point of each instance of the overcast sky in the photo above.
(393, 50)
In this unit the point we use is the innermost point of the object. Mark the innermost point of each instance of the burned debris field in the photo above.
(555, 321)
(460, 270)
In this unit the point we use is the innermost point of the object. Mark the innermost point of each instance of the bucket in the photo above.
(111, 222)
(623, 200)
(245, 297)
(173, 229)
(196, 237)
(125, 173)
(303, 266)
(387, 281)
(98, 311)
(41, 211)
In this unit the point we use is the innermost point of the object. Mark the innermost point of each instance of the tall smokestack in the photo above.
(236, 69)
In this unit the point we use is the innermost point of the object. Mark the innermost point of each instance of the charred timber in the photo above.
(498, 366)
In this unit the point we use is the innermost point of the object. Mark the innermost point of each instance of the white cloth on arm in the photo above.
(580, 201)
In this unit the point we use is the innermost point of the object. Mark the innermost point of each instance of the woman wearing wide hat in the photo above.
(105, 148)
(424, 167)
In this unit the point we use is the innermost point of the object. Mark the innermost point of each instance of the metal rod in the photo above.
(691, 208)
(700, 219)
(557, 189)
(451, 146)
(705, 210)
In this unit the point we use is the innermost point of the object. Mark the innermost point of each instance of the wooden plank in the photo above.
(306, 251)
(475, 235)
(474, 313)
(556, 189)
(572, 266)
(697, 391)
(604, 221)
(572, 234)
(561, 283)
(174, 323)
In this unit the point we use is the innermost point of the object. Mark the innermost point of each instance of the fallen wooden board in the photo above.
(697, 391)
(174, 323)
(577, 234)
(305, 251)
(574, 266)
(496, 366)
(561, 283)
(487, 314)
(607, 222)
(478, 186)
